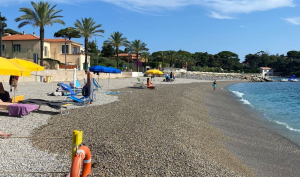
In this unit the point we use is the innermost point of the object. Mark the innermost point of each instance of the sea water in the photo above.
(279, 103)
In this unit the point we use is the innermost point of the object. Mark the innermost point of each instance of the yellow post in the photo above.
(77, 140)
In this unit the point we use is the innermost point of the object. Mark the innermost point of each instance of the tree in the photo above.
(162, 55)
(4, 25)
(70, 32)
(107, 50)
(92, 48)
(138, 46)
(171, 55)
(146, 56)
(87, 27)
(10, 31)
(40, 16)
(116, 40)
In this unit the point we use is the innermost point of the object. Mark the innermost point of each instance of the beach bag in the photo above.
(5, 97)
(85, 91)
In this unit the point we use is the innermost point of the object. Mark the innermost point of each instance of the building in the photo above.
(129, 57)
(266, 71)
(25, 46)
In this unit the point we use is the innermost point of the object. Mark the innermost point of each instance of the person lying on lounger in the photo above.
(149, 84)
(4, 136)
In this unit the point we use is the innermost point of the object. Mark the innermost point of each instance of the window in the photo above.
(63, 51)
(17, 48)
(75, 50)
(46, 51)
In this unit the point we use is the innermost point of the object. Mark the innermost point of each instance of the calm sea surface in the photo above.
(279, 102)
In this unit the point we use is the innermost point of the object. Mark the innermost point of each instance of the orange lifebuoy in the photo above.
(83, 156)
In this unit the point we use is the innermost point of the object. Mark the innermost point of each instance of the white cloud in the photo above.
(222, 9)
(294, 20)
(219, 16)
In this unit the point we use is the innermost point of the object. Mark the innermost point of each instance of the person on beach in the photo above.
(214, 85)
(4, 136)
(13, 82)
(149, 84)
(89, 84)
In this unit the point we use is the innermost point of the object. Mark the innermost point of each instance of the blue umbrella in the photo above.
(104, 69)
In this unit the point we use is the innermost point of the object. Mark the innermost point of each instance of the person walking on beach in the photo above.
(214, 85)
(89, 84)
(4, 136)
(13, 82)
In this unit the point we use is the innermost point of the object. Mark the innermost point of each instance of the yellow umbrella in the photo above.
(28, 64)
(8, 67)
(154, 71)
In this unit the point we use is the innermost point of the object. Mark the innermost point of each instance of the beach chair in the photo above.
(61, 105)
(16, 109)
(68, 89)
(80, 101)
(140, 84)
(96, 84)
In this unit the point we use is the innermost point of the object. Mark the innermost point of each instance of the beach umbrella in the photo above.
(28, 64)
(104, 69)
(154, 72)
(8, 67)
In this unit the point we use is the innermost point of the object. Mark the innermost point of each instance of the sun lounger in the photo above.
(59, 105)
(96, 84)
(69, 89)
(140, 84)
(80, 101)
(15, 109)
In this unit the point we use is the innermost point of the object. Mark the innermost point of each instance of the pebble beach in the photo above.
(182, 128)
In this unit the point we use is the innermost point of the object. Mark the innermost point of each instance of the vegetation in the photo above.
(87, 27)
(137, 46)
(40, 16)
(116, 40)
(107, 50)
(69, 32)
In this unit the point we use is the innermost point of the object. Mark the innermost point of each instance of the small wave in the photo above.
(287, 126)
(238, 94)
(246, 102)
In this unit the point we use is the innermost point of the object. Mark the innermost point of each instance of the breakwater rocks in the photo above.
(260, 79)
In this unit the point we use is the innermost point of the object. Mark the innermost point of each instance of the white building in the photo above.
(266, 71)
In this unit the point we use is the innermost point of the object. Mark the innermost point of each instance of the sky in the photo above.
(240, 26)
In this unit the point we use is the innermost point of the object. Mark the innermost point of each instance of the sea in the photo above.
(278, 103)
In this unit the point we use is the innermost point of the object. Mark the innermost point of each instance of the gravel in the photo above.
(178, 129)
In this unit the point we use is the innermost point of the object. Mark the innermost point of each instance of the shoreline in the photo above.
(253, 139)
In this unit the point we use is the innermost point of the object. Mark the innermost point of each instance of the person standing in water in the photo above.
(214, 85)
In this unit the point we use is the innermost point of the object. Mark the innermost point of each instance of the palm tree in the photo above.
(138, 46)
(146, 56)
(172, 57)
(40, 16)
(163, 56)
(116, 40)
(87, 27)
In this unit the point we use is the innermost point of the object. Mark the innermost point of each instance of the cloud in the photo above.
(222, 9)
(294, 20)
(219, 16)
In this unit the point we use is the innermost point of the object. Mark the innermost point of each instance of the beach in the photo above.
(182, 128)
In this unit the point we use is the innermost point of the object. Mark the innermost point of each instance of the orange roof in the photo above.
(19, 37)
(28, 37)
